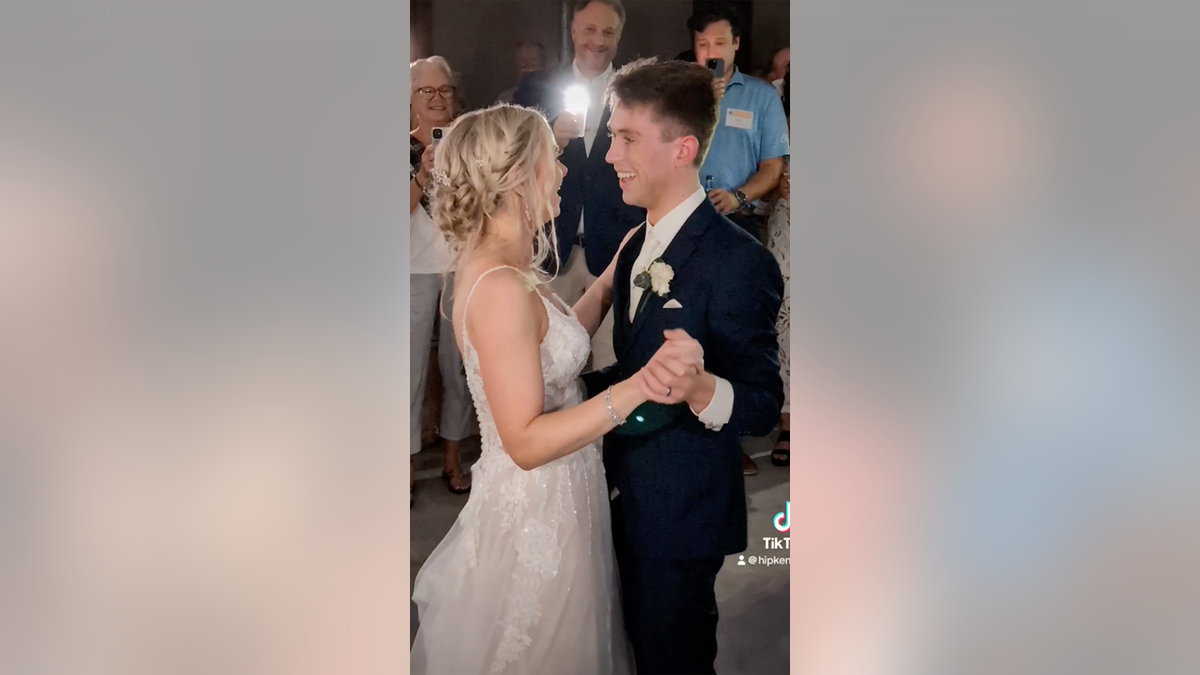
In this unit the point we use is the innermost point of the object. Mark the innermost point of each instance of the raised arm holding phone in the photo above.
(751, 139)
(594, 219)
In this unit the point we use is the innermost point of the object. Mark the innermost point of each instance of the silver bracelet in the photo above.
(617, 419)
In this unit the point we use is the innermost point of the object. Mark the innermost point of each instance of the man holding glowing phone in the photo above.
(748, 149)
(594, 217)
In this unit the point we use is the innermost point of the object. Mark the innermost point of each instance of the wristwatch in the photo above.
(741, 197)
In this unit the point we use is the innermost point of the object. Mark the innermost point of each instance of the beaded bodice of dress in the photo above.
(564, 352)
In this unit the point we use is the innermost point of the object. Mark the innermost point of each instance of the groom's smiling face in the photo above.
(641, 152)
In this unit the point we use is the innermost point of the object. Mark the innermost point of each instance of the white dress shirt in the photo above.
(658, 239)
(596, 87)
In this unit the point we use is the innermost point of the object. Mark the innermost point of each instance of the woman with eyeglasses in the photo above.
(433, 103)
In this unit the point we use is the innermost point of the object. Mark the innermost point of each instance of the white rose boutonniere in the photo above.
(656, 278)
(661, 275)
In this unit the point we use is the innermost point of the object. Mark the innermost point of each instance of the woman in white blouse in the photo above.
(433, 101)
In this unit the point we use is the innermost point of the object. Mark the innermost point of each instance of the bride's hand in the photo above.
(682, 347)
(666, 389)
(673, 371)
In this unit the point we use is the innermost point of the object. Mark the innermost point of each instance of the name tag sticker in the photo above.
(740, 119)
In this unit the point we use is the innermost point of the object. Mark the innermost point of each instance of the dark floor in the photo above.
(753, 599)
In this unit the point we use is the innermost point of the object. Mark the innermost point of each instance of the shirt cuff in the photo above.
(719, 409)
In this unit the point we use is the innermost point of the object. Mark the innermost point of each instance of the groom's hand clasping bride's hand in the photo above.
(676, 373)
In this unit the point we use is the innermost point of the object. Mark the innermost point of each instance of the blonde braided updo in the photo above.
(487, 164)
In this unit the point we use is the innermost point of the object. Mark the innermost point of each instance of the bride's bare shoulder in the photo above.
(489, 290)
(478, 276)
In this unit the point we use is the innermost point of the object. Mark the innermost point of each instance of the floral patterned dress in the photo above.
(779, 237)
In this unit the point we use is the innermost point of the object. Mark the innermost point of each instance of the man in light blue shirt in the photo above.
(745, 160)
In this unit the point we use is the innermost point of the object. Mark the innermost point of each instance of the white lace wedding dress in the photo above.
(526, 582)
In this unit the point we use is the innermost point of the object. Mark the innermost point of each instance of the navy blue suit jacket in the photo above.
(591, 183)
(682, 494)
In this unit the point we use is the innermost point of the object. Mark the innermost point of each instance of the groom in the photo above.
(690, 275)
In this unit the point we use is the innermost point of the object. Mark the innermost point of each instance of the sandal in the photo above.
(782, 456)
(458, 482)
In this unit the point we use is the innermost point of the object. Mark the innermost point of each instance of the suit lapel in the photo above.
(575, 154)
(602, 142)
(676, 256)
(622, 276)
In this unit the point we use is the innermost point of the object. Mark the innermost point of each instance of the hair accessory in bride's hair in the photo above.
(441, 178)
(479, 163)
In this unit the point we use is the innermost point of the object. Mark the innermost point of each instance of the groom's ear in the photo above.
(687, 151)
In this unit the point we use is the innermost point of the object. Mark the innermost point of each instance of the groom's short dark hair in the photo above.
(680, 96)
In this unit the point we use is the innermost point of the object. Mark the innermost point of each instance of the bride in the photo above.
(526, 580)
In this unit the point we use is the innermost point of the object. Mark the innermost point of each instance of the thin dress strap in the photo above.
(467, 304)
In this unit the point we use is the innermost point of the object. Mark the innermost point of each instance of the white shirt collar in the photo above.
(665, 230)
(602, 77)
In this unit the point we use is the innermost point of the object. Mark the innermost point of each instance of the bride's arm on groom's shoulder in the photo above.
(597, 301)
(504, 325)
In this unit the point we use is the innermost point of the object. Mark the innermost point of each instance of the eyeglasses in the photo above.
(427, 93)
